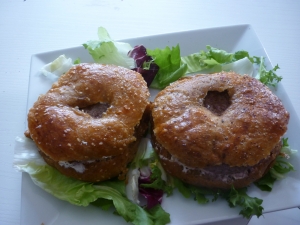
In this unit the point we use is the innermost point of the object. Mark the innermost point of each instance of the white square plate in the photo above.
(40, 207)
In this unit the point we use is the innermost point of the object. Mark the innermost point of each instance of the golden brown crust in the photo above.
(65, 133)
(244, 134)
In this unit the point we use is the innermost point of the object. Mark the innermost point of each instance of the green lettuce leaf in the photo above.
(107, 194)
(241, 66)
(156, 177)
(266, 182)
(215, 60)
(58, 66)
(104, 194)
(280, 168)
(140, 162)
(239, 197)
(235, 197)
(267, 77)
(221, 56)
(170, 66)
(200, 194)
(107, 51)
(209, 61)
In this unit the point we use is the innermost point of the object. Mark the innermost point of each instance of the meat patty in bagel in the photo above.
(89, 124)
(218, 130)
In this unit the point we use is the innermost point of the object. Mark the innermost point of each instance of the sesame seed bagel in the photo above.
(65, 132)
(222, 119)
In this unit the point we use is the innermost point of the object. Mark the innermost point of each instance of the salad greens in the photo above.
(170, 66)
(268, 77)
(107, 51)
(144, 63)
(104, 194)
(216, 60)
(280, 168)
(235, 197)
(57, 67)
(160, 67)
(146, 177)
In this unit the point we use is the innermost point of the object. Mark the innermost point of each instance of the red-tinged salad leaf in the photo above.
(170, 66)
(152, 195)
(157, 179)
(146, 177)
(144, 63)
(152, 186)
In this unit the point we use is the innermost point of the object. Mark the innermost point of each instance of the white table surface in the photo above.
(34, 26)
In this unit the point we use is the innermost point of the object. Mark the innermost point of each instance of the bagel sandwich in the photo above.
(219, 130)
(89, 124)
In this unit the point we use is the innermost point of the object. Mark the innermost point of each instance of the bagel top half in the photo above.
(240, 129)
(64, 131)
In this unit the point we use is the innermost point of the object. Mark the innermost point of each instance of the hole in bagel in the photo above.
(97, 110)
(217, 102)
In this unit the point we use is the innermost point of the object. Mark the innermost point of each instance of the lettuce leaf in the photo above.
(146, 177)
(209, 61)
(107, 51)
(58, 66)
(235, 197)
(156, 181)
(250, 205)
(144, 63)
(141, 160)
(170, 66)
(104, 194)
(83, 193)
(241, 66)
(280, 168)
(267, 77)
(215, 60)
(200, 194)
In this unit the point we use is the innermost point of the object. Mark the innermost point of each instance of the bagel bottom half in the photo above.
(216, 177)
(103, 168)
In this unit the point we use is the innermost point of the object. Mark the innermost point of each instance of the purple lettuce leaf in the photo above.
(153, 196)
(144, 63)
